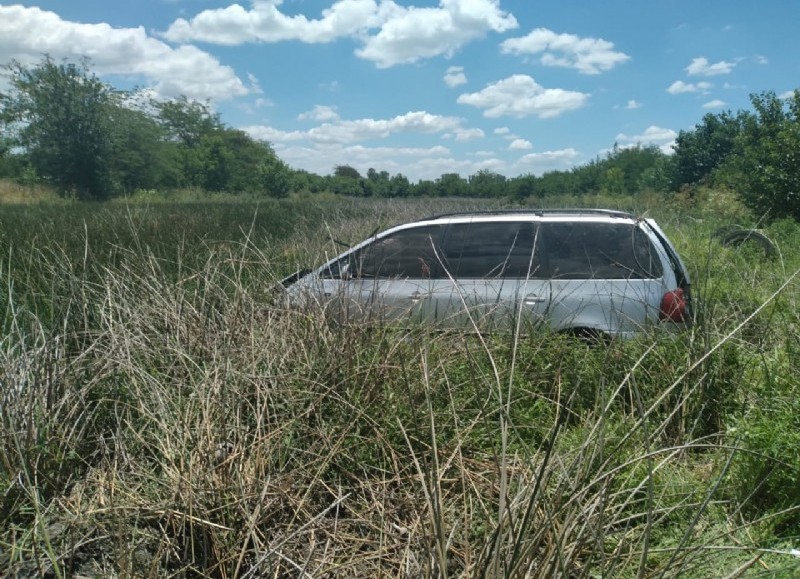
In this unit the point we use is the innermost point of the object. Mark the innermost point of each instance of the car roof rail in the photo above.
(537, 211)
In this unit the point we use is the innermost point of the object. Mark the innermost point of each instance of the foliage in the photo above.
(754, 153)
(60, 115)
(700, 151)
(94, 142)
(766, 164)
(62, 126)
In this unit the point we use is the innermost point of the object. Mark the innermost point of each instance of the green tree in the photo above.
(452, 185)
(613, 181)
(346, 171)
(486, 183)
(140, 157)
(700, 151)
(186, 120)
(59, 114)
(765, 167)
(399, 186)
(189, 126)
(632, 163)
(275, 176)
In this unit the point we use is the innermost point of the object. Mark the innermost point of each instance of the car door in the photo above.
(389, 278)
(490, 277)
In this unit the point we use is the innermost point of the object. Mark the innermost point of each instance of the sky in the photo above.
(429, 87)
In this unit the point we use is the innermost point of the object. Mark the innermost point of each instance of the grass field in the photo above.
(160, 417)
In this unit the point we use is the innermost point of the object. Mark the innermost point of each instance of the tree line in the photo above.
(61, 125)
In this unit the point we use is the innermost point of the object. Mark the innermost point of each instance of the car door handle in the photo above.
(533, 299)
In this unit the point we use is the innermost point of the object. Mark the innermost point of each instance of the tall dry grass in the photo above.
(166, 419)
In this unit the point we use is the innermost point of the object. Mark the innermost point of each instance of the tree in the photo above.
(632, 162)
(275, 175)
(140, 157)
(486, 183)
(59, 114)
(346, 171)
(766, 164)
(699, 152)
(189, 125)
(452, 185)
(187, 121)
(399, 186)
(613, 182)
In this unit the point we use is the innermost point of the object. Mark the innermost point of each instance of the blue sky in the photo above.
(426, 87)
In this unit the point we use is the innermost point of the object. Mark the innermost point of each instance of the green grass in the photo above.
(161, 416)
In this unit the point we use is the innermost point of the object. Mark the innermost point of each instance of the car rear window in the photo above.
(586, 250)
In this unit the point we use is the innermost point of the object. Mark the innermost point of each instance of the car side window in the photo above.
(581, 250)
(491, 249)
(408, 253)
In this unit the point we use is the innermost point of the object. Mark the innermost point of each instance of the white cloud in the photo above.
(502, 131)
(319, 113)
(586, 55)
(364, 129)
(520, 96)
(414, 162)
(454, 76)
(715, 104)
(465, 135)
(520, 145)
(680, 87)
(652, 135)
(701, 67)
(410, 34)
(632, 104)
(548, 160)
(391, 34)
(235, 25)
(28, 33)
(343, 131)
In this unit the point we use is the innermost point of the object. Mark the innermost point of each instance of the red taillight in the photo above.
(673, 306)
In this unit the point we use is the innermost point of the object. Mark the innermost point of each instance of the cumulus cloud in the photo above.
(548, 160)
(465, 135)
(715, 104)
(319, 113)
(352, 131)
(454, 76)
(413, 162)
(391, 34)
(520, 145)
(235, 25)
(680, 87)
(520, 96)
(27, 33)
(701, 67)
(586, 55)
(653, 135)
(411, 34)
(632, 104)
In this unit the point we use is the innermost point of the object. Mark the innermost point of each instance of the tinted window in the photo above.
(598, 251)
(407, 253)
(490, 249)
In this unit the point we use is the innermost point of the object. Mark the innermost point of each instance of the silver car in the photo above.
(589, 272)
